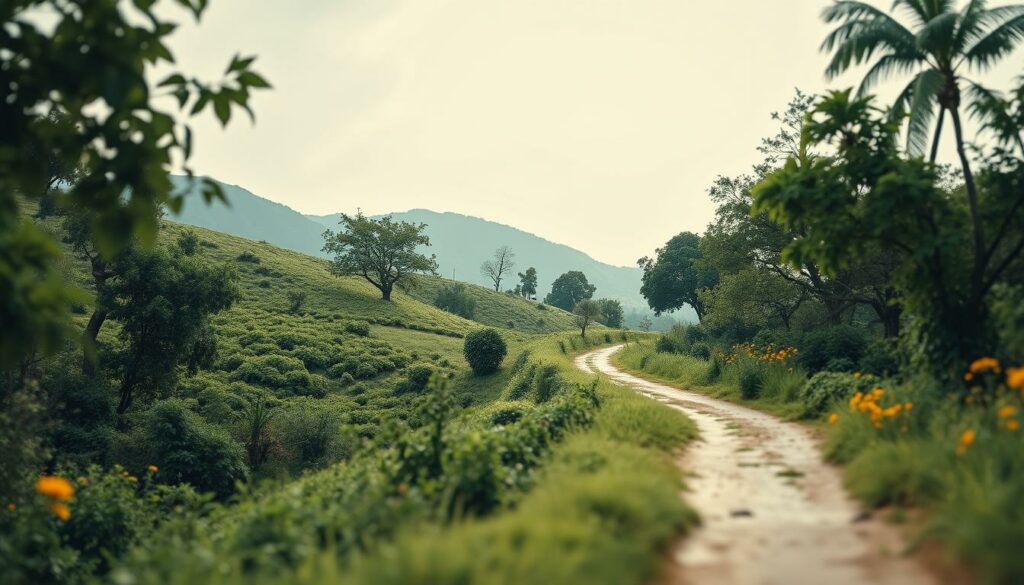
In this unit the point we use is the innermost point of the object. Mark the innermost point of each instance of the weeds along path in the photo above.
(772, 511)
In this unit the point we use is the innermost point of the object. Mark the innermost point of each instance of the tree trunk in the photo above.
(92, 330)
(972, 199)
(126, 396)
(938, 134)
(385, 292)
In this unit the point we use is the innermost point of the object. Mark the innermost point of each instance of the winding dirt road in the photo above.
(771, 511)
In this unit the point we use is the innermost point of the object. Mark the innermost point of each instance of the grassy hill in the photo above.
(461, 243)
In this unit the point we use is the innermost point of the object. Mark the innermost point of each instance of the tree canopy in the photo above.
(382, 251)
(587, 312)
(673, 278)
(528, 283)
(569, 289)
(497, 267)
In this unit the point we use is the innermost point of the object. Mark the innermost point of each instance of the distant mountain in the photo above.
(251, 216)
(461, 243)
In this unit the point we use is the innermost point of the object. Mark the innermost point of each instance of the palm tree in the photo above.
(944, 43)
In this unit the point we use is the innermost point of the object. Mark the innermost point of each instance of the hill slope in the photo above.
(461, 243)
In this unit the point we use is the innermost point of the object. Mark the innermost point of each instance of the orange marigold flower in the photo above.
(984, 364)
(1013, 425)
(153, 468)
(1007, 411)
(12, 507)
(55, 488)
(968, 377)
(60, 510)
(833, 418)
(966, 440)
(1015, 378)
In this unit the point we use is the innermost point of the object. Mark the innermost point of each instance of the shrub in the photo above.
(274, 371)
(311, 435)
(189, 450)
(505, 413)
(249, 257)
(542, 307)
(840, 364)
(296, 298)
(665, 344)
(358, 328)
(880, 358)
(700, 350)
(263, 283)
(457, 300)
(824, 388)
(416, 379)
(820, 346)
(484, 350)
(751, 381)
(347, 379)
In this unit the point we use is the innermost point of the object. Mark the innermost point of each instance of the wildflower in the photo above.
(968, 377)
(153, 469)
(1007, 411)
(55, 488)
(12, 507)
(1013, 425)
(60, 510)
(984, 364)
(402, 488)
(966, 440)
(857, 375)
(1015, 378)
(833, 418)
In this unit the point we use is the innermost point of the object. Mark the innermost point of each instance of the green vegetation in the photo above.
(484, 350)
(569, 289)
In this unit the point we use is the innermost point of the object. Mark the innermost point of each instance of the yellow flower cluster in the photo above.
(868, 403)
(768, 354)
(58, 490)
(1015, 378)
(1007, 417)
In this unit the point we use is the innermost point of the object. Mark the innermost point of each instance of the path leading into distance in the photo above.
(771, 511)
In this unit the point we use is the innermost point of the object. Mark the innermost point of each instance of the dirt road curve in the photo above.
(772, 512)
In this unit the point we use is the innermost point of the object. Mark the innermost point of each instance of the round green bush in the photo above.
(820, 347)
(824, 388)
(484, 350)
(700, 350)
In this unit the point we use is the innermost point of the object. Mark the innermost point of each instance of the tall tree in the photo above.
(944, 43)
(528, 283)
(497, 267)
(611, 313)
(382, 251)
(587, 312)
(163, 300)
(569, 289)
(674, 276)
(71, 64)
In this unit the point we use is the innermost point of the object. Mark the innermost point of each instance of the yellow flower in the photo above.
(12, 507)
(1013, 425)
(856, 375)
(153, 468)
(833, 418)
(1007, 411)
(968, 377)
(55, 488)
(966, 440)
(1015, 378)
(985, 364)
(60, 510)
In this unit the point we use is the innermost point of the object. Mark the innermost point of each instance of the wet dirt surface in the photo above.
(772, 512)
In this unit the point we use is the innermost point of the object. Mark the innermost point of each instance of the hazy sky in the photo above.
(594, 123)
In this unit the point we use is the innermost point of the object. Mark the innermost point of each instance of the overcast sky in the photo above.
(594, 123)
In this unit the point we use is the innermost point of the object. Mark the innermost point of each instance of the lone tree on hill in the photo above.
(587, 312)
(496, 268)
(382, 251)
(569, 289)
(528, 283)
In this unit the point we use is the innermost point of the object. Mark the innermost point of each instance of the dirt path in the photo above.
(772, 512)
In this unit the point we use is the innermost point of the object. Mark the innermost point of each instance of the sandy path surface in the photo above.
(772, 512)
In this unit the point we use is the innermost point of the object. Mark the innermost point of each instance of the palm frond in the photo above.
(992, 111)
(918, 9)
(924, 98)
(885, 67)
(971, 20)
(864, 31)
(935, 36)
(996, 43)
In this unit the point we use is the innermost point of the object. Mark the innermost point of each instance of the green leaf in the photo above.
(252, 79)
(174, 79)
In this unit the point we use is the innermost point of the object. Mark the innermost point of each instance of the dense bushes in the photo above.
(484, 350)
(187, 449)
(837, 348)
(456, 299)
(824, 388)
